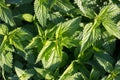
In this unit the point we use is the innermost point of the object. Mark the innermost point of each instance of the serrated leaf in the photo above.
(17, 36)
(69, 27)
(22, 74)
(35, 42)
(20, 33)
(73, 72)
(90, 35)
(111, 27)
(6, 14)
(3, 29)
(45, 73)
(88, 12)
(41, 12)
(64, 5)
(45, 50)
(17, 43)
(109, 11)
(6, 61)
(52, 59)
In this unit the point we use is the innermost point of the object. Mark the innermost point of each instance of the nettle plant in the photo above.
(59, 39)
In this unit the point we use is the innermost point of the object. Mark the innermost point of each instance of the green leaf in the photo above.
(51, 3)
(6, 14)
(88, 12)
(45, 50)
(111, 27)
(41, 12)
(17, 36)
(35, 42)
(45, 73)
(95, 74)
(103, 12)
(110, 11)
(116, 70)
(75, 71)
(18, 2)
(69, 27)
(64, 5)
(22, 74)
(90, 35)
(105, 60)
(69, 42)
(27, 17)
(6, 61)
(3, 29)
(17, 43)
(56, 17)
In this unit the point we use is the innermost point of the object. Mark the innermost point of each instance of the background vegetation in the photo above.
(59, 40)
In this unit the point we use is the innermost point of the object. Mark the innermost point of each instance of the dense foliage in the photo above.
(59, 39)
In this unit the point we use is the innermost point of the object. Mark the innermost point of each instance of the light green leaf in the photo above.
(111, 27)
(88, 12)
(17, 43)
(110, 11)
(6, 61)
(45, 73)
(75, 71)
(35, 42)
(45, 50)
(3, 29)
(52, 59)
(90, 35)
(6, 14)
(19, 33)
(22, 74)
(17, 36)
(41, 12)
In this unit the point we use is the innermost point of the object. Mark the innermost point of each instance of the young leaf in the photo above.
(3, 29)
(41, 11)
(6, 14)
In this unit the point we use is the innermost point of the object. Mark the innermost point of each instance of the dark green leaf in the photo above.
(6, 14)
